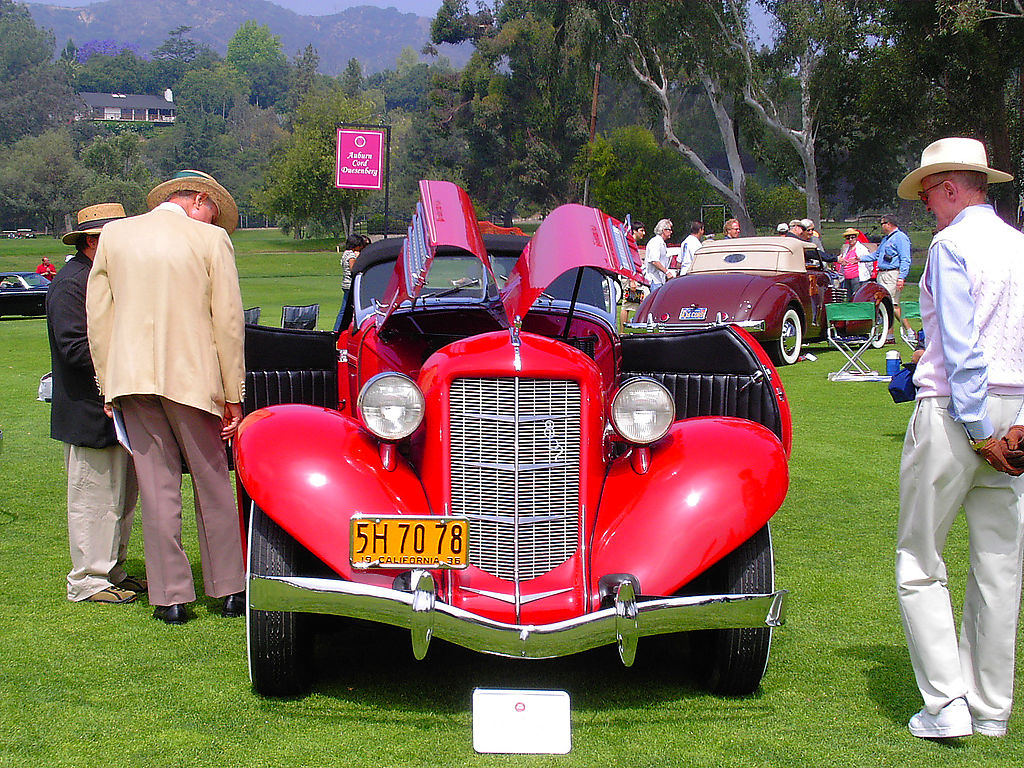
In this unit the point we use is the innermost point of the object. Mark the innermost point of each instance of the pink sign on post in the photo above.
(360, 159)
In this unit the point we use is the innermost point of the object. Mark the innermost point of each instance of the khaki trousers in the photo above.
(162, 432)
(101, 506)
(939, 474)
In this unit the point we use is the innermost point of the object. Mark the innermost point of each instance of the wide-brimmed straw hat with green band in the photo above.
(197, 181)
(91, 220)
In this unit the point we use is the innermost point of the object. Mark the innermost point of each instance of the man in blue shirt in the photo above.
(962, 450)
(893, 256)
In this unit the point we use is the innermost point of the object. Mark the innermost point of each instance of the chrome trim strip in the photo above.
(676, 325)
(655, 616)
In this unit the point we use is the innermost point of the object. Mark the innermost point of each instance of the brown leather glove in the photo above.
(1013, 445)
(994, 452)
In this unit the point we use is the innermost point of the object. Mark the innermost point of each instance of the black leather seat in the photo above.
(708, 373)
(251, 315)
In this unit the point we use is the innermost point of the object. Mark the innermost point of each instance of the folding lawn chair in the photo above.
(910, 310)
(303, 317)
(852, 346)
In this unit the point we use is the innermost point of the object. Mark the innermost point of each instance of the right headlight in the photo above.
(642, 411)
(391, 406)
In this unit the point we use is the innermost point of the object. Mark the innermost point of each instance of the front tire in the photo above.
(279, 642)
(732, 662)
(787, 349)
(882, 321)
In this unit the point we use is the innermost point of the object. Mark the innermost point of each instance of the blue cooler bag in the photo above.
(901, 386)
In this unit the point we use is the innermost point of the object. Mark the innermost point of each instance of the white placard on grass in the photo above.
(521, 722)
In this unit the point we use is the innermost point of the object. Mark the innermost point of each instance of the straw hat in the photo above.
(91, 219)
(197, 181)
(851, 231)
(953, 154)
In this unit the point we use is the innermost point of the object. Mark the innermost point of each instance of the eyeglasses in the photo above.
(923, 194)
(849, 237)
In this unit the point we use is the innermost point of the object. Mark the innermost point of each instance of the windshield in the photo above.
(36, 281)
(455, 278)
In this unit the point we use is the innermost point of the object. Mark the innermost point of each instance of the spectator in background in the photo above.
(812, 234)
(46, 269)
(632, 291)
(353, 245)
(796, 229)
(782, 229)
(732, 228)
(893, 256)
(101, 480)
(851, 256)
(690, 246)
(656, 255)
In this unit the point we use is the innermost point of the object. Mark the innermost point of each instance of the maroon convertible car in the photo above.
(775, 287)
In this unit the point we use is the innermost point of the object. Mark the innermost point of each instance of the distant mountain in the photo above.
(375, 36)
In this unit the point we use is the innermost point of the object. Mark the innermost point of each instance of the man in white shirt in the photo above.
(690, 246)
(656, 255)
(962, 450)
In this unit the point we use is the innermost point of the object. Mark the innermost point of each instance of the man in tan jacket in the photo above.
(166, 334)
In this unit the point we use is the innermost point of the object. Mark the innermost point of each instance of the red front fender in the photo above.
(698, 501)
(312, 468)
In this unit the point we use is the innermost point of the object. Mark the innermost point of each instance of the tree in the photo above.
(521, 102)
(815, 38)
(41, 180)
(178, 54)
(123, 72)
(352, 78)
(34, 93)
(630, 174)
(299, 185)
(302, 76)
(256, 52)
(211, 91)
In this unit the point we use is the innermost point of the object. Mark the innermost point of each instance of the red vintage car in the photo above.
(478, 457)
(775, 287)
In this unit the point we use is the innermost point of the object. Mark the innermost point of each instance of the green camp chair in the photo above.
(852, 347)
(910, 310)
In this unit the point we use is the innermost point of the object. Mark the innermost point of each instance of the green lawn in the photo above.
(89, 685)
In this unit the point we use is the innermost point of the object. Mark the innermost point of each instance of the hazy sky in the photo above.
(307, 7)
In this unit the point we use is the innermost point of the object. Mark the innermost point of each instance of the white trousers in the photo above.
(101, 505)
(939, 474)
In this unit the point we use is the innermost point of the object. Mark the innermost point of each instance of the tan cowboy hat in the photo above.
(851, 231)
(197, 181)
(953, 154)
(91, 220)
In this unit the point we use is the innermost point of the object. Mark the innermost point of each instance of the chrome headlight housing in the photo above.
(642, 411)
(391, 406)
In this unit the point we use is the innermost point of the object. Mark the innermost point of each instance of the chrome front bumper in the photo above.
(425, 616)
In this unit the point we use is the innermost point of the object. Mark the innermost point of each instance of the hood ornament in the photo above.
(513, 332)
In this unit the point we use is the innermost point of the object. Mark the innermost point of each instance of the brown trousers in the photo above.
(161, 433)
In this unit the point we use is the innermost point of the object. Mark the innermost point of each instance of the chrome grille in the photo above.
(515, 446)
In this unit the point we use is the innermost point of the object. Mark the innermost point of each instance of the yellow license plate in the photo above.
(407, 541)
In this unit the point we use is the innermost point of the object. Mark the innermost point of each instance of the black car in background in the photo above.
(23, 293)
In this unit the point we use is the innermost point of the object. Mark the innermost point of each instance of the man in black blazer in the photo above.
(101, 480)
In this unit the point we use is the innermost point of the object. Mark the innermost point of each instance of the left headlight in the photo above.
(391, 406)
(642, 411)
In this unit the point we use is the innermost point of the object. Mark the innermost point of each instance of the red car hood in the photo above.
(731, 294)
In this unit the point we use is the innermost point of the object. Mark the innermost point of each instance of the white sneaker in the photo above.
(910, 337)
(953, 720)
(990, 727)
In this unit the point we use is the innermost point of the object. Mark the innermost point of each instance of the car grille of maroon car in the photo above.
(515, 452)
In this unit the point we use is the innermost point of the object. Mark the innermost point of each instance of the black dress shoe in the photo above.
(171, 614)
(234, 606)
